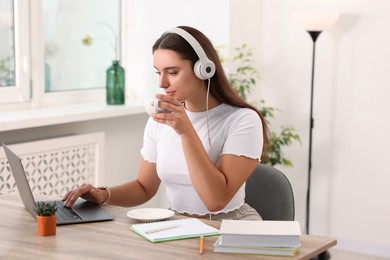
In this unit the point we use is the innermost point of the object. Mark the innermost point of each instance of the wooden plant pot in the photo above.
(46, 225)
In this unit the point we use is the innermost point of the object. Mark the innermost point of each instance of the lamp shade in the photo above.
(315, 21)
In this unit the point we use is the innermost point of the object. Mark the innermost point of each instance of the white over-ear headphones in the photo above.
(203, 68)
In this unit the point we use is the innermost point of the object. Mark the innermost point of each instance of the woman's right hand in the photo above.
(177, 119)
(87, 192)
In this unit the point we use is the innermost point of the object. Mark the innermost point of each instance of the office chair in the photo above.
(270, 193)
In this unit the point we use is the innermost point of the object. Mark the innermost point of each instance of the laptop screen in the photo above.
(17, 170)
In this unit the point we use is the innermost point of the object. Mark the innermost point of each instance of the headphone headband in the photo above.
(204, 68)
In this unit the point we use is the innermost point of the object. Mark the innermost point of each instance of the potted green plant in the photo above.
(46, 218)
(243, 79)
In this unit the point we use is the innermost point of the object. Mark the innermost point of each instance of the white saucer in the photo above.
(150, 214)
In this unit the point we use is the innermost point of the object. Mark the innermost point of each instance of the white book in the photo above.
(260, 233)
(260, 250)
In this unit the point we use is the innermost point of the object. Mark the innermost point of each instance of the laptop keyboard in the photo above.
(64, 214)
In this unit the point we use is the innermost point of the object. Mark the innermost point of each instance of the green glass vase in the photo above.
(115, 84)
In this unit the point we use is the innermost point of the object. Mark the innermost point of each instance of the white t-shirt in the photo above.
(233, 130)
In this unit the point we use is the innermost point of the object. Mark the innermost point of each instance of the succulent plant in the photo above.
(45, 208)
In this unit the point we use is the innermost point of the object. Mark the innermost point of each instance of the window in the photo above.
(13, 52)
(69, 71)
(79, 44)
(7, 45)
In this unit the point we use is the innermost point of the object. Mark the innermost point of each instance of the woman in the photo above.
(204, 149)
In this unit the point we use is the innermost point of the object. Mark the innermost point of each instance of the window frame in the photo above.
(40, 97)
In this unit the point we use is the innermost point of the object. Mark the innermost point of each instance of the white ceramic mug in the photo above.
(151, 106)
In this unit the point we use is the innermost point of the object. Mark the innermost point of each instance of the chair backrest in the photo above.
(269, 191)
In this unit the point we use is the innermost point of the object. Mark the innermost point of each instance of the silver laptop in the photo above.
(81, 212)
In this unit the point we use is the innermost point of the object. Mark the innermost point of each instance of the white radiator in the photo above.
(54, 166)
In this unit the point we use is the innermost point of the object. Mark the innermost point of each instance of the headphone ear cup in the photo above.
(197, 69)
(204, 70)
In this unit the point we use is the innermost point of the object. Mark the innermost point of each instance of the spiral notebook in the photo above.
(174, 229)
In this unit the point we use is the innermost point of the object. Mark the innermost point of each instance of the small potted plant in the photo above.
(46, 218)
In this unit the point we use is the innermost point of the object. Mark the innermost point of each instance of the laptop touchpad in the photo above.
(88, 210)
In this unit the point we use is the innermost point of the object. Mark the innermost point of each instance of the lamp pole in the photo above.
(314, 23)
(314, 35)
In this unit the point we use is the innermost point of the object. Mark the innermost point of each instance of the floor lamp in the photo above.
(314, 23)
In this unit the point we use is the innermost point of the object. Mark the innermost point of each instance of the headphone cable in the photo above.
(207, 112)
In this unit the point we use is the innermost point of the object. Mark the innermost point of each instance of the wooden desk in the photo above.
(111, 240)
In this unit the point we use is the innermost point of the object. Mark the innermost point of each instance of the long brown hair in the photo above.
(220, 87)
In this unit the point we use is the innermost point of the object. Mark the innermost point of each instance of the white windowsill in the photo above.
(45, 116)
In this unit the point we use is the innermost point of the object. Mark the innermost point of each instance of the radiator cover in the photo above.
(56, 165)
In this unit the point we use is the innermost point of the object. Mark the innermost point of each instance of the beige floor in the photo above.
(342, 255)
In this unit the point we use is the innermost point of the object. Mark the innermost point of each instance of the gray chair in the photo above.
(269, 191)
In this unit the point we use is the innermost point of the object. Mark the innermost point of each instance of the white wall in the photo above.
(350, 146)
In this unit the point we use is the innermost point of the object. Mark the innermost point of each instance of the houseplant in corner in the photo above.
(46, 218)
(243, 79)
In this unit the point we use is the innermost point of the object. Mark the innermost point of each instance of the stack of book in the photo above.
(280, 238)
